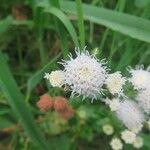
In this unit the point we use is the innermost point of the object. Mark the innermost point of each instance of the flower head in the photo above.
(56, 78)
(114, 104)
(60, 104)
(138, 143)
(85, 74)
(45, 103)
(130, 114)
(115, 83)
(116, 144)
(128, 136)
(143, 99)
(140, 78)
(108, 129)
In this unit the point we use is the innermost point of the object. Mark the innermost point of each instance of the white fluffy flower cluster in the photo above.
(131, 115)
(85, 75)
(56, 78)
(108, 129)
(143, 98)
(128, 136)
(116, 144)
(140, 78)
(115, 83)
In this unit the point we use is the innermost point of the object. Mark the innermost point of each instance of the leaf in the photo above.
(5, 24)
(38, 76)
(146, 139)
(4, 109)
(130, 25)
(5, 123)
(66, 22)
(64, 143)
(16, 101)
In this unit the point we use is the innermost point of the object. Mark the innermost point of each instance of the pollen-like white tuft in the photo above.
(128, 136)
(115, 82)
(85, 75)
(138, 143)
(140, 78)
(130, 114)
(113, 104)
(143, 99)
(116, 144)
(56, 78)
(108, 129)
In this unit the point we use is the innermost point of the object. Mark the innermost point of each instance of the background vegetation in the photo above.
(34, 35)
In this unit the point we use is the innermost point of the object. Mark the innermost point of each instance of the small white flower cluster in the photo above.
(108, 129)
(140, 78)
(87, 76)
(130, 114)
(128, 137)
(115, 83)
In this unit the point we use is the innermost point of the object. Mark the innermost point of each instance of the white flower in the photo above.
(130, 114)
(114, 104)
(138, 143)
(56, 78)
(115, 82)
(108, 129)
(137, 129)
(140, 78)
(116, 144)
(143, 99)
(85, 74)
(128, 136)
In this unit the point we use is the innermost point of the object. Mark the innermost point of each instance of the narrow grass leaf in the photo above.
(61, 30)
(16, 101)
(80, 23)
(38, 76)
(130, 25)
(66, 22)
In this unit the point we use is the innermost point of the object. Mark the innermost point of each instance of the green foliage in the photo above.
(127, 24)
(117, 30)
(16, 101)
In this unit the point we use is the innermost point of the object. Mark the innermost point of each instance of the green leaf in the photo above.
(5, 24)
(66, 22)
(5, 123)
(4, 109)
(38, 76)
(130, 25)
(80, 23)
(16, 101)
(146, 139)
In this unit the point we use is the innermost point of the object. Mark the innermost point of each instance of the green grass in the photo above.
(120, 30)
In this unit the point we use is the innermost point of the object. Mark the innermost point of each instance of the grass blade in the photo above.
(130, 25)
(38, 76)
(61, 30)
(16, 101)
(66, 22)
(80, 23)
